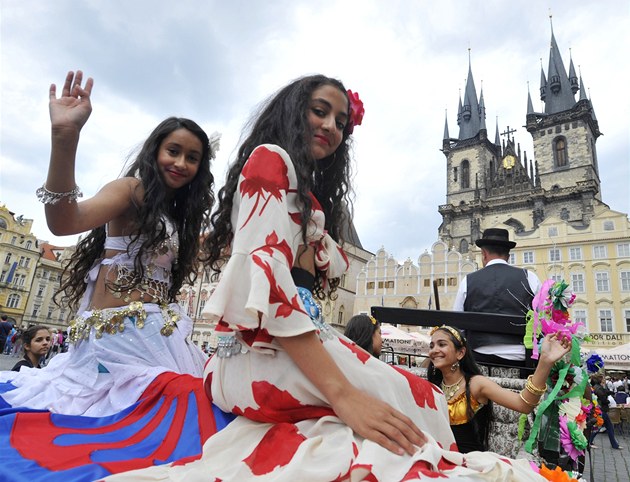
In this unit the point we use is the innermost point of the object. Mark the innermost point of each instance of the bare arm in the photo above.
(485, 389)
(68, 115)
(371, 418)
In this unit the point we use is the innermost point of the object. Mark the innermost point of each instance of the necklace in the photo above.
(450, 390)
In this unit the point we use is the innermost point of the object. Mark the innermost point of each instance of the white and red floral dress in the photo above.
(287, 430)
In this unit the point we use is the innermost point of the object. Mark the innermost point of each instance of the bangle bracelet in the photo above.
(533, 405)
(48, 197)
(533, 389)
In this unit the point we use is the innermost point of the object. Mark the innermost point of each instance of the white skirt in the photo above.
(102, 376)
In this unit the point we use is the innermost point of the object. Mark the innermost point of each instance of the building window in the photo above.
(623, 250)
(2, 276)
(579, 316)
(626, 316)
(427, 283)
(512, 258)
(342, 283)
(22, 260)
(560, 152)
(13, 239)
(40, 290)
(463, 246)
(19, 279)
(599, 251)
(8, 258)
(577, 282)
(452, 281)
(556, 277)
(625, 281)
(575, 254)
(605, 321)
(528, 257)
(554, 255)
(465, 174)
(50, 312)
(455, 174)
(609, 225)
(36, 310)
(340, 317)
(602, 282)
(28, 244)
(552, 232)
(13, 301)
(45, 274)
(370, 285)
(390, 284)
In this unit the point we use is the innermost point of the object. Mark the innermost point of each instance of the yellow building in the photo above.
(19, 254)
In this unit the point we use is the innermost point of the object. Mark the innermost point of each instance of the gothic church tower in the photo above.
(491, 182)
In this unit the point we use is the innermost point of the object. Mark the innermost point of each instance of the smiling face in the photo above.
(327, 115)
(442, 351)
(179, 157)
(39, 344)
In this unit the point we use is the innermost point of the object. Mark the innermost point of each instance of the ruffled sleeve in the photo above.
(257, 277)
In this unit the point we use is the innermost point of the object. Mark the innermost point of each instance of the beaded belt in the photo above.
(228, 345)
(112, 321)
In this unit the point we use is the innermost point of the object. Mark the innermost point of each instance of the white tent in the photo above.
(401, 341)
(615, 358)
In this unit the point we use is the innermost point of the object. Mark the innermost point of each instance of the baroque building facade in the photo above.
(551, 204)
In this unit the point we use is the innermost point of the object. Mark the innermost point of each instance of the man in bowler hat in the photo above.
(497, 288)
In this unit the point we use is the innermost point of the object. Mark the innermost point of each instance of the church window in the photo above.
(625, 281)
(558, 129)
(577, 282)
(554, 255)
(602, 282)
(609, 226)
(528, 257)
(560, 152)
(463, 246)
(623, 250)
(599, 251)
(575, 254)
(564, 214)
(455, 174)
(566, 127)
(465, 174)
(574, 125)
(605, 320)
(542, 133)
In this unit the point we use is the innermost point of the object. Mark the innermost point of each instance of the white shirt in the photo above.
(509, 352)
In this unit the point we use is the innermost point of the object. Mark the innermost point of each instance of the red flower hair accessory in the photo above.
(356, 111)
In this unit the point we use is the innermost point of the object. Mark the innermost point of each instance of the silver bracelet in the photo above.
(48, 197)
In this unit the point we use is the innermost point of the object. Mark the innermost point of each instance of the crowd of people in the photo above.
(285, 396)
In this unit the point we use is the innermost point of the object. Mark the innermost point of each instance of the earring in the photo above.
(454, 366)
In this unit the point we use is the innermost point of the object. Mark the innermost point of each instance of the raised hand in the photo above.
(72, 109)
(554, 347)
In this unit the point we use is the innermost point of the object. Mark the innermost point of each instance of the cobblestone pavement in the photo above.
(608, 465)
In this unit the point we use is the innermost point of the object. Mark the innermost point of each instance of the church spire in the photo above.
(530, 105)
(557, 92)
(573, 80)
(446, 136)
(497, 138)
(482, 110)
(470, 110)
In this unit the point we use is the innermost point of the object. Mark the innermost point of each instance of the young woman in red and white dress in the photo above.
(311, 405)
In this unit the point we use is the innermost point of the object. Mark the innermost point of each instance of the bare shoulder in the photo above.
(125, 188)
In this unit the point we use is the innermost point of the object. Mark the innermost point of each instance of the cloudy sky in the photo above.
(214, 61)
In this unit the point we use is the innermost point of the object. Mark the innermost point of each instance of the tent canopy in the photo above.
(616, 358)
(401, 341)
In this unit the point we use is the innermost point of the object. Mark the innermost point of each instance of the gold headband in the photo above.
(372, 319)
(450, 329)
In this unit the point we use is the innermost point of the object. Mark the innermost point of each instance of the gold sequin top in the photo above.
(457, 408)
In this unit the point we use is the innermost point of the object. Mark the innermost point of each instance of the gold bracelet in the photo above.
(533, 389)
(533, 405)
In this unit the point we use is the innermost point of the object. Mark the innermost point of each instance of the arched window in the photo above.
(465, 174)
(463, 246)
(560, 152)
(3, 224)
(13, 301)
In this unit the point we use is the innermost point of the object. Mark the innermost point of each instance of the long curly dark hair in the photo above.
(482, 420)
(282, 120)
(188, 209)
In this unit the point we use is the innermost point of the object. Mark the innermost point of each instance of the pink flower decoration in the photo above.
(356, 111)
(565, 439)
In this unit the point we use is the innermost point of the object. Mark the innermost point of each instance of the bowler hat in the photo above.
(495, 237)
